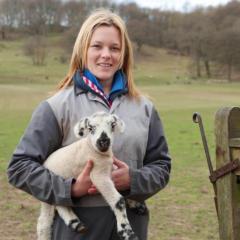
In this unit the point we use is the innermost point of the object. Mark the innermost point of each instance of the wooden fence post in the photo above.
(227, 131)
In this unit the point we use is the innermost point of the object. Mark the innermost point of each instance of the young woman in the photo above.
(99, 79)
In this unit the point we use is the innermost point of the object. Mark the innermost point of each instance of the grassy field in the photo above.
(185, 209)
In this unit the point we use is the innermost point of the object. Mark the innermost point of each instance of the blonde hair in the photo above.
(79, 55)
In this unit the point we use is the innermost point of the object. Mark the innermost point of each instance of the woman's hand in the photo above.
(83, 182)
(120, 176)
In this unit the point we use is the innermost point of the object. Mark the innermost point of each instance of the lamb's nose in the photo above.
(104, 139)
(103, 142)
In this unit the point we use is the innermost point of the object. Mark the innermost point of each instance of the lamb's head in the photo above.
(100, 128)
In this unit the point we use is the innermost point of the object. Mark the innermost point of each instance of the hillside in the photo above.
(152, 66)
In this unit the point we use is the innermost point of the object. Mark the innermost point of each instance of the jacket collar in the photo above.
(81, 85)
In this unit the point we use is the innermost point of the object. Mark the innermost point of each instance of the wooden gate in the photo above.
(227, 132)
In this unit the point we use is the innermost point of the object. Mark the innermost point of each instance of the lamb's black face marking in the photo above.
(114, 123)
(120, 205)
(103, 143)
(86, 122)
(81, 132)
(91, 128)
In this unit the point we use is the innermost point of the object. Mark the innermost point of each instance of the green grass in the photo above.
(186, 206)
(158, 67)
(184, 210)
(16, 68)
(16, 208)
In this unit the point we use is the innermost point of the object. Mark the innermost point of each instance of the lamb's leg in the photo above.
(117, 203)
(45, 221)
(70, 219)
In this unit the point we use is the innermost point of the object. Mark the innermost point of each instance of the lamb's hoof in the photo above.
(132, 236)
(139, 208)
(81, 228)
(127, 234)
(77, 226)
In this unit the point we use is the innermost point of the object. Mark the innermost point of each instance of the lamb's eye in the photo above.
(91, 128)
(113, 125)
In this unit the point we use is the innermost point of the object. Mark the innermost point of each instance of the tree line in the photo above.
(210, 36)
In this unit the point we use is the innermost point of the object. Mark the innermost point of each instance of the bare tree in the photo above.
(73, 13)
(138, 23)
(36, 49)
(40, 15)
(10, 14)
(195, 38)
(228, 49)
(227, 37)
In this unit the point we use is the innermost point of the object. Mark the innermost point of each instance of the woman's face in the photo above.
(103, 54)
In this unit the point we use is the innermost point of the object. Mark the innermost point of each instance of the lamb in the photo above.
(96, 137)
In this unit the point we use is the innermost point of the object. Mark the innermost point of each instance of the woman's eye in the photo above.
(96, 46)
(115, 49)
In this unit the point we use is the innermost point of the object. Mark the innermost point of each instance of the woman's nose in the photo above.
(106, 53)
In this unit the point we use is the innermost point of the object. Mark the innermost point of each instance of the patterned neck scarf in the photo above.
(88, 82)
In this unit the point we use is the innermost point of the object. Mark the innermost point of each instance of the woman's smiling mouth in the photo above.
(104, 64)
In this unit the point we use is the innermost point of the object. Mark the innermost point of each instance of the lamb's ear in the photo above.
(117, 124)
(81, 129)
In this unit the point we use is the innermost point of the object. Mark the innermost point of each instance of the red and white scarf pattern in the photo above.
(95, 89)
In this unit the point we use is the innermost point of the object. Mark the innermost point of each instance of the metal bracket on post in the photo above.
(224, 170)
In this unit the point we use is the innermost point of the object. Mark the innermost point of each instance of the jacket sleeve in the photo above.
(154, 175)
(25, 171)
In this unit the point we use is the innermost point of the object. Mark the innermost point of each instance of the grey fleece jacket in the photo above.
(142, 146)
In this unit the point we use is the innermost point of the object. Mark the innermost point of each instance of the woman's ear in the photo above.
(81, 129)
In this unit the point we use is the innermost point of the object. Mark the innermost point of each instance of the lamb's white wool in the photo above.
(96, 137)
